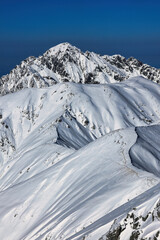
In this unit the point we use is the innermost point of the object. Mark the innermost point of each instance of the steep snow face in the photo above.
(75, 192)
(66, 170)
(79, 160)
(145, 153)
(140, 222)
(66, 63)
(75, 114)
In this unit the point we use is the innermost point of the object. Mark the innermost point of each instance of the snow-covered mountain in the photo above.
(66, 63)
(79, 161)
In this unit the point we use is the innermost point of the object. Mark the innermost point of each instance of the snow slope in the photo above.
(53, 115)
(74, 192)
(147, 145)
(136, 219)
(79, 161)
(66, 63)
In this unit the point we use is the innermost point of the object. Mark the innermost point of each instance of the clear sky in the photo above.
(30, 27)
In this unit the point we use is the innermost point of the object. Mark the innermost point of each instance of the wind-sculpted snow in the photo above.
(145, 154)
(74, 115)
(74, 192)
(65, 158)
(66, 63)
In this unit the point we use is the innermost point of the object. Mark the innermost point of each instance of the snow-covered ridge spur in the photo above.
(66, 63)
(69, 161)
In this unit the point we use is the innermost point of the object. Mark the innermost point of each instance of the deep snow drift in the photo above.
(80, 161)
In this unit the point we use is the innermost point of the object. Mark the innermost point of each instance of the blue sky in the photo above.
(30, 27)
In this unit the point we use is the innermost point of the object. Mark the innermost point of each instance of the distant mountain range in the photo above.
(80, 148)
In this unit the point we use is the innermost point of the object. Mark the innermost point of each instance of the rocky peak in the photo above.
(65, 62)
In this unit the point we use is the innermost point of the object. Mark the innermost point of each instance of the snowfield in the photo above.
(80, 161)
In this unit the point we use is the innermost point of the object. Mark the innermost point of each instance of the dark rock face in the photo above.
(65, 63)
(136, 224)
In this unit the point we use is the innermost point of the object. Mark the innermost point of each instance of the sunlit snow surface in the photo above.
(76, 157)
(66, 63)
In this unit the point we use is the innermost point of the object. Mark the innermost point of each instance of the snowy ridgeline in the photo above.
(66, 63)
(80, 161)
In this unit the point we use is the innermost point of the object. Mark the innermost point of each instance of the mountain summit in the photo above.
(79, 148)
(66, 63)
